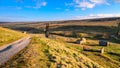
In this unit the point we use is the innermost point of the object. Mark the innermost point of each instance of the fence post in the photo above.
(118, 29)
(47, 30)
(102, 50)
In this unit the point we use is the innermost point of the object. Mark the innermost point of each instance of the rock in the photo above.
(81, 41)
(103, 43)
(77, 41)
(24, 32)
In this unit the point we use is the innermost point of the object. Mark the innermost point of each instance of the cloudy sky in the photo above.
(50, 10)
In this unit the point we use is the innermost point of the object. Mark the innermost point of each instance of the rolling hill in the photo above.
(49, 53)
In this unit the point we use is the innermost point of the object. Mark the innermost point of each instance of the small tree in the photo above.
(47, 30)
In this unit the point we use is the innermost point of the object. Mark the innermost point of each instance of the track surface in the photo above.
(8, 51)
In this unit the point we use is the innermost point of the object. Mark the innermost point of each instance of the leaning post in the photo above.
(118, 29)
(47, 30)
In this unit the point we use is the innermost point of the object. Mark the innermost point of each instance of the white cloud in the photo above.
(105, 15)
(19, 8)
(83, 4)
(69, 4)
(98, 1)
(28, 6)
(58, 8)
(7, 18)
(14, 7)
(76, 9)
(44, 3)
(82, 8)
(77, 1)
(40, 4)
(67, 9)
(91, 16)
(117, 1)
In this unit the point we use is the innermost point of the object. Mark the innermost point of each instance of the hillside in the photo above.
(38, 27)
(8, 36)
(46, 53)
(62, 50)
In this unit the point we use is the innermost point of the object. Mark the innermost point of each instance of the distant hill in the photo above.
(109, 25)
(63, 21)
(92, 20)
(4, 22)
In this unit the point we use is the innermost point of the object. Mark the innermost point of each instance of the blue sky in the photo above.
(51, 10)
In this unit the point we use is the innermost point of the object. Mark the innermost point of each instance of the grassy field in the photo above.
(8, 36)
(47, 53)
(50, 53)
(111, 57)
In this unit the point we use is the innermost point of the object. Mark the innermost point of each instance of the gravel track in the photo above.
(8, 51)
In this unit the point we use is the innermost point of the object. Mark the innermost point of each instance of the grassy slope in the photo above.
(7, 36)
(46, 53)
(113, 50)
(110, 59)
(112, 53)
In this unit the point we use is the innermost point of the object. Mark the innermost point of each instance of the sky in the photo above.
(54, 10)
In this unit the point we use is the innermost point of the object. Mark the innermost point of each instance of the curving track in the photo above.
(8, 51)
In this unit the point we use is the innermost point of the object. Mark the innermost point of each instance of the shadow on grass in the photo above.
(7, 48)
(116, 54)
(73, 42)
(86, 28)
(27, 29)
(91, 50)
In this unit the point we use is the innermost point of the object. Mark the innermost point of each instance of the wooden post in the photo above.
(118, 29)
(47, 30)
(102, 50)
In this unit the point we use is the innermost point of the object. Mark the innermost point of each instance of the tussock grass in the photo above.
(8, 36)
(112, 50)
(47, 53)
(110, 59)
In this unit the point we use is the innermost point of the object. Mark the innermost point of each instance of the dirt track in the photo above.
(8, 51)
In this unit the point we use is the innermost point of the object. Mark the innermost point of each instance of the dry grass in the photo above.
(62, 52)
(110, 59)
(8, 36)
(46, 53)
